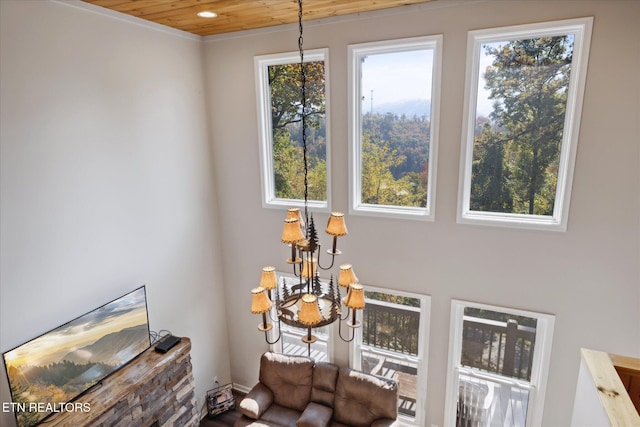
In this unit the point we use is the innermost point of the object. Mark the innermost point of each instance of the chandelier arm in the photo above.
(266, 336)
(353, 333)
(299, 273)
(276, 319)
(345, 317)
(333, 260)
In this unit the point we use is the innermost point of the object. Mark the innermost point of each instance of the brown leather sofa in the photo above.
(295, 391)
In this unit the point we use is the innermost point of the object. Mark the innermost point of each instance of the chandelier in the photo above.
(310, 302)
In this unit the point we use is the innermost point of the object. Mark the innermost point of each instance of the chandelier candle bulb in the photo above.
(355, 301)
(268, 279)
(292, 234)
(336, 227)
(347, 276)
(261, 304)
(310, 268)
(309, 312)
(295, 213)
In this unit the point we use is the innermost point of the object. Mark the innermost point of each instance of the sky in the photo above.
(397, 76)
(403, 76)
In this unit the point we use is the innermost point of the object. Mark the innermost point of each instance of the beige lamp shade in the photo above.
(309, 311)
(309, 268)
(347, 276)
(260, 302)
(291, 233)
(336, 225)
(268, 279)
(355, 297)
(295, 213)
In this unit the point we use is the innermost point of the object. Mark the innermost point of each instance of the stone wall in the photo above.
(155, 389)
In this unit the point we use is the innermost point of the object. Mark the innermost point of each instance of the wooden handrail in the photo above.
(608, 387)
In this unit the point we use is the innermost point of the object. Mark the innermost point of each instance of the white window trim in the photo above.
(423, 350)
(356, 51)
(539, 369)
(581, 29)
(276, 330)
(265, 132)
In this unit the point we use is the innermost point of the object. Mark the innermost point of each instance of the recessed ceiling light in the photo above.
(207, 14)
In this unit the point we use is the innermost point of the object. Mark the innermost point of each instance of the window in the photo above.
(498, 365)
(394, 126)
(522, 116)
(278, 87)
(291, 338)
(392, 342)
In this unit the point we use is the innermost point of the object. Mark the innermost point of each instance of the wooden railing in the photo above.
(389, 327)
(505, 348)
(604, 396)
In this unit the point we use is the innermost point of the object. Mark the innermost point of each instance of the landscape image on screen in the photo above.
(59, 365)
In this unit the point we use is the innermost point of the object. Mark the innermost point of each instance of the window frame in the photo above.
(265, 131)
(580, 28)
(422, 360)
(355, 53)
(539, 369)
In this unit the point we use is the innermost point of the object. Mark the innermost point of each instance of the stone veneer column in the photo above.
(155, 389)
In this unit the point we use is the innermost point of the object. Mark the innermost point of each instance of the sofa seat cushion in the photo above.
(315, 415)
(363, 398)
(245, 421)
(289, 378)
(279, 415)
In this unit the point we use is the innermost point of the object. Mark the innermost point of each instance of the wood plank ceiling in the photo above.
(238, 15)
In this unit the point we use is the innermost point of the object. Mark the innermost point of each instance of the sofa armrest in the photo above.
(384, 422)
(315, 415)
(257, 401)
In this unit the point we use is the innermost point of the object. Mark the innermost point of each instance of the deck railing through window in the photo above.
(389, 327)
(505, 348)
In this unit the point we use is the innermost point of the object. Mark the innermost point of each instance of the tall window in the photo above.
(392, 342)
(278, 86)
(291, 338)
(523, 104)
(498, 366)
(394, 119)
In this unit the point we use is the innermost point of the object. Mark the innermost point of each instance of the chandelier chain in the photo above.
(303, 83)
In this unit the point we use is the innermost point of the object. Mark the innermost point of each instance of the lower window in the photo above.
(392, 343)
(498, 365)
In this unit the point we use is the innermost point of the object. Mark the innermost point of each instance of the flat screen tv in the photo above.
(49, 372)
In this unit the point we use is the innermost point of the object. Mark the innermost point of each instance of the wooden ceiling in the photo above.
(238, 15)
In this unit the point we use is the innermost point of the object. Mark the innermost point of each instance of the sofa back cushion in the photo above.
(289, 378)
(325, 376)
(362, 398)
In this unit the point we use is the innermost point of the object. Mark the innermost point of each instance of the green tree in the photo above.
(378, 184)
(490, 189)
(395, 155)
(528, 82)
(286, 107)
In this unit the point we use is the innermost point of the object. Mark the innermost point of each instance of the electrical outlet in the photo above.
(215, 379)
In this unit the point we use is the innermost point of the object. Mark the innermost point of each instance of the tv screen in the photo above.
(57, 367)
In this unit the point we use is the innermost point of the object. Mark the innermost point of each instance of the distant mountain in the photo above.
(113, 349)
(410, 108)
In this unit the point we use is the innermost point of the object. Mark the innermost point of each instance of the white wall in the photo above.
(106, 179)
(588, 277)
